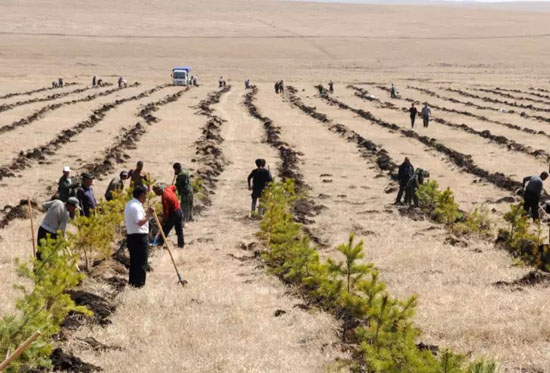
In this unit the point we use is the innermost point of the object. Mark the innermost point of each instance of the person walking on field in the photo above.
(260, 178)
(406, 171)
(393, 91)
(276, 87)
(55, 220)
(137, 230)
(116, 185)
(85, 195)
(532, 186)
(281, 87)
(331, 87)
(413, 113)
(65, 186)
(426, 114)
(185, 190)
(172, 216)
(139, 176)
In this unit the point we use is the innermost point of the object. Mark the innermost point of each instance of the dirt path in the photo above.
(224, 319)
(454, 283)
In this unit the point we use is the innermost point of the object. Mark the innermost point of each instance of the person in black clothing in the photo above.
(277, 87)
(406, 171)
(260, 177)
(532, 186)
(413, 112)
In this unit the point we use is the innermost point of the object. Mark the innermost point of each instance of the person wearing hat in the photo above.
(65, 186)
(172, 216)
(137, 231)
(56, 219)
(116, 185)
(85, 195)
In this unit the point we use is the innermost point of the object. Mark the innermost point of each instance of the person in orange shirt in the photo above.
(172, 216)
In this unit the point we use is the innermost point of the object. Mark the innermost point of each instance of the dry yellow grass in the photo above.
(224, 320)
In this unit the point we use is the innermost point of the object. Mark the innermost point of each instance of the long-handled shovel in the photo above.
(19, 350)
(167, 245)
(32, 227)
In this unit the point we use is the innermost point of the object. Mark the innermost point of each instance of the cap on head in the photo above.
(124, 174)
(74, 202)
(544, 175)
(88, 176)
(66, 169)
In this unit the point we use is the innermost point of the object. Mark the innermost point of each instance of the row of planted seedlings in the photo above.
(50, 306)
(522, 240)
(377, 326)
(45, 302)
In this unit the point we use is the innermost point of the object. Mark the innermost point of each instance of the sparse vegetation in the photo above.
(379, 324)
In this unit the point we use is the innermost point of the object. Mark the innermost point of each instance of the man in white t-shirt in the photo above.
(137, 231)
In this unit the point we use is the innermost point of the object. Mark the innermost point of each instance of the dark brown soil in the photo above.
(65, 362)
(533, 278)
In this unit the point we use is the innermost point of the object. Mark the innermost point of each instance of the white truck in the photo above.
(181, 75)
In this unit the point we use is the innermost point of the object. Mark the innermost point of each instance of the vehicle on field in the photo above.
(181, 75)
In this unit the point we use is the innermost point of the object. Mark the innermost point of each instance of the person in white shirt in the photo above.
(55, 220)
(137, 231)
(426, 114)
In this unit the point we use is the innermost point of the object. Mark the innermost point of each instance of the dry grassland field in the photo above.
(484, 70)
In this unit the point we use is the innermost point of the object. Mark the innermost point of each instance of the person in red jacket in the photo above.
(172, 216)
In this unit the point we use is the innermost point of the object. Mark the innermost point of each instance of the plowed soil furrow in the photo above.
(229, 301)
(440, 106)
(26, 158)
(485, 161)
(478, 106)
(48, 109)
(468, 190)
(501, 92)
(55, 96)
(33, 91)
(454, 284)
(492, 100)
(502, 140)
(531, 91)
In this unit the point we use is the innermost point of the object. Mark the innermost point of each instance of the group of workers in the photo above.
(75, 195)
(425, 113)
(323, 91)
(280, 87)
(57, 83)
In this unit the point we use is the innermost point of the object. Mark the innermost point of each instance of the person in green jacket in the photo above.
(185, 190)
(66, 186)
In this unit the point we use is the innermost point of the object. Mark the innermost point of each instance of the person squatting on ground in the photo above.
(55, 220)
(406, 171)
(532, 187)
(85, 195)
(66, 187)
(116, 185)
(137, 231)
(426, 114)
(172, 216)
(185, 190)
(413, 113)
(412, 185)
(260, 178)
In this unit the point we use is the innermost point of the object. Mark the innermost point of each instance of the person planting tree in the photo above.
(414, 182)
(172, 216)
(55, 220)
(116, 185)
(185, 190)
(260, 178)
(532, 187)
(137, 230)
